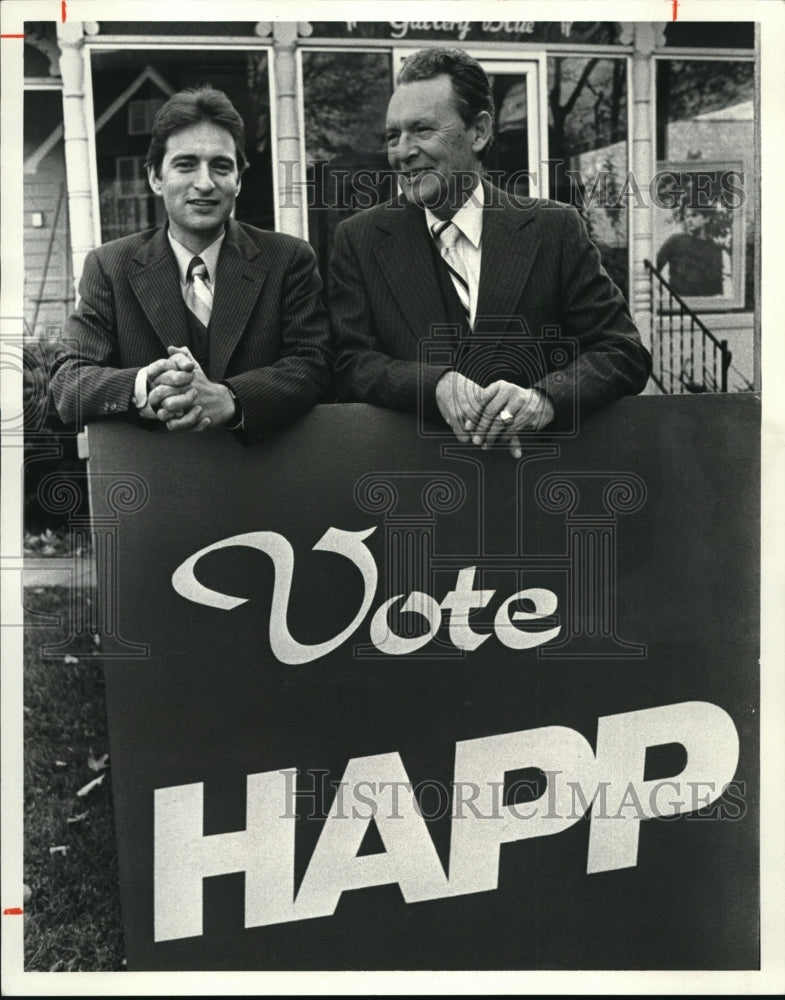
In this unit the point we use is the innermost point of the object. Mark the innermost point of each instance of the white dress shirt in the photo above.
(184, 257)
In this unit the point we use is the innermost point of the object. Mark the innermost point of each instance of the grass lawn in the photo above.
(72, 917)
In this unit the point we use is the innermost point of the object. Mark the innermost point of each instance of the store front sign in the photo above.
(576, 32)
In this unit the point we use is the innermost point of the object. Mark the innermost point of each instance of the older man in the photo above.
(203, 322)
(456, 253)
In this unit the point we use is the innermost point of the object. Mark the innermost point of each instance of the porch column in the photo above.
(77, 129)
(291, 208)
(644, 123)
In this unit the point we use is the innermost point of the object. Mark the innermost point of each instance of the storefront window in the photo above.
(587, 150)
(508, 160)
(705, 207)
(345, 97)
(128, 88)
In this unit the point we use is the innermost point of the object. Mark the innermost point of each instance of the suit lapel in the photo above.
(509, 248)
(156, 284)
(238, 284)
(406, 261)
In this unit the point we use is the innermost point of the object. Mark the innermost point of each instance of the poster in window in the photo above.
(699, 234)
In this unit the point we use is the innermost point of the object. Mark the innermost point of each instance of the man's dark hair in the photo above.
(470, 82)
(189, 107)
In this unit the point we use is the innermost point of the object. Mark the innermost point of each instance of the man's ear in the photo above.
(483, 131)
(154, 180)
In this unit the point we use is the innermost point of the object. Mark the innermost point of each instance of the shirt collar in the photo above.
(184, 256)
(468, 218)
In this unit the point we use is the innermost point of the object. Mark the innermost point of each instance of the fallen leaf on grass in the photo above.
(76, 819)
(27, 894)
(86, 789)
(60, 763)
(61, 849)
(97, 763)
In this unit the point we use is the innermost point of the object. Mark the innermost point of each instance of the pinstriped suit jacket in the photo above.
(540, 272)
(269, 334)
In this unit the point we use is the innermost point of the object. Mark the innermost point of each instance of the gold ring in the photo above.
(506, 417)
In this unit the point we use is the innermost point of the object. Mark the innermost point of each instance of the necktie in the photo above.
(198, 295)
(447, 236)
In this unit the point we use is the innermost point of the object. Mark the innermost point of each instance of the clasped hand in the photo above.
(498, 412)
(182, 396)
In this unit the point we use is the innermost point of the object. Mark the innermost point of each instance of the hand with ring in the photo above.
(508, 409)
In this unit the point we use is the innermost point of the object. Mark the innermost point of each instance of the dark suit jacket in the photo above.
(540, 277)
(269, 334)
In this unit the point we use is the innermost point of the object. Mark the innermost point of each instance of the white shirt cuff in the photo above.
(140, 389)
(139, 398)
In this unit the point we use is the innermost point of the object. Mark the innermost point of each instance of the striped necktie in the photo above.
(198, 294)
(448, 235)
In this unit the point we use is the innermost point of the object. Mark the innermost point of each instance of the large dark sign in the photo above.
(501, 30)
(378, 700)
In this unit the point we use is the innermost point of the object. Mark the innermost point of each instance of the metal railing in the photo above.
(686, 356)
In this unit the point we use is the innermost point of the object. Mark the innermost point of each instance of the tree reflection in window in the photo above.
(587, 150)
(345, 103)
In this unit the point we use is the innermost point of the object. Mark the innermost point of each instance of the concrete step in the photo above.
(56, 571)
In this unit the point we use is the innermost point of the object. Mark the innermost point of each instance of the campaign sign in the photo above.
(380, 700)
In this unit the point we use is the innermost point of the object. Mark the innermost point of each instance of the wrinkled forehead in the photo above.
(418, 100)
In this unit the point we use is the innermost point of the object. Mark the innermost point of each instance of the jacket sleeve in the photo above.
(610, 360)
(364, 372)
(87, 381)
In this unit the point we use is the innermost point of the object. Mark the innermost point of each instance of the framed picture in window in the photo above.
(699, 234)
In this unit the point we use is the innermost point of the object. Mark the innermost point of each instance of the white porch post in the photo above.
(77, 145)
(644, 123)
(292, 199)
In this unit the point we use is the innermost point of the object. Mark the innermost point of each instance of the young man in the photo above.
(456, 252)
(694, 261)
(204, 322)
